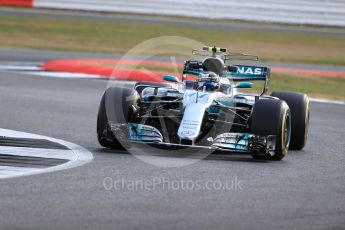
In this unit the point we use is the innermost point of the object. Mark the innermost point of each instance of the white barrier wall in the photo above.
(314, 12)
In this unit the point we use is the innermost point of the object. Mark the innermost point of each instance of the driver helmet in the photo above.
(208, 81)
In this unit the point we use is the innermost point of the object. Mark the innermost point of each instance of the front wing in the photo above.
(229, 142)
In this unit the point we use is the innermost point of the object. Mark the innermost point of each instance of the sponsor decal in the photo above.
(187, 133)
(249, 70)
(189, 125)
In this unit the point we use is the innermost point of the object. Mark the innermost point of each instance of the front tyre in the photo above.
(300, 112)
(117, 105)
(272, 117)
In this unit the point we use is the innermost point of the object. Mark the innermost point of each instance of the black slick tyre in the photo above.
(300, 112)
(272, 117)
(117, 105)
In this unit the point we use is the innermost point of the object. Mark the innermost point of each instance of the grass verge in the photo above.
(317, 87)
(100, 36)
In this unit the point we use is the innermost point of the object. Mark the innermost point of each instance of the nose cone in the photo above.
(189, 129)
(194, 114)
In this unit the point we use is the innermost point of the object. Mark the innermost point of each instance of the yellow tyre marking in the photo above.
(283, 129)
(306, 121)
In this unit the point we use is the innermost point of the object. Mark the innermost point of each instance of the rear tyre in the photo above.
(300, 112)
(272, 117)
(117, 105)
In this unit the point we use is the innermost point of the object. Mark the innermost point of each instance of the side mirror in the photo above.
(244, 85)
(171, 78)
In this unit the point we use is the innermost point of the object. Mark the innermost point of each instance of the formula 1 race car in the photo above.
(207, 112)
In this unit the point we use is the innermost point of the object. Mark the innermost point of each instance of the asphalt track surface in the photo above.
(304, 191)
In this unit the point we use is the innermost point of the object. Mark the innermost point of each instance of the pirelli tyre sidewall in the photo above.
(300, 111)
(116, 106)
(272, 117)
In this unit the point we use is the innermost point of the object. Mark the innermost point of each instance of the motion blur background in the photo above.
(304, 41)
(324, 12)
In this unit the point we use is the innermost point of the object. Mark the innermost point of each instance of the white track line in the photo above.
(62, 74)
(20, 68)
(8, 171)
(38, 152)
(38, 71)
(327, 101)
(79, 155)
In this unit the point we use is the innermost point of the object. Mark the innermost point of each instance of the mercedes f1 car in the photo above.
(207, 112)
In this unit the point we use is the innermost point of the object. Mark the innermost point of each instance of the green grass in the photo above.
(100, 36)
(317, 87)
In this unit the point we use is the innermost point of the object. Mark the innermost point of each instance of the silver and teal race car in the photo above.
(208, 112)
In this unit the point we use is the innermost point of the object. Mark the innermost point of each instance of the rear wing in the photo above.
(223, 54)
(237, 72)
(251, 73)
